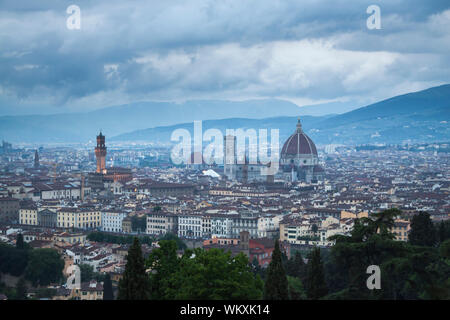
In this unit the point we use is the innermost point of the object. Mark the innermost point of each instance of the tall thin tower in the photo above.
(100, 153)
(36, 159)
(229, 157)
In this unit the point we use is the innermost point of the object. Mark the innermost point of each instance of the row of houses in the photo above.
(37, 191)
(206, 225)
(316, 230)
(73, 217)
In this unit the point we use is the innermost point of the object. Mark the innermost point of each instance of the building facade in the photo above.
(247, 222)
(79, 218)
(159, 223)
(47, 218)
(190, 226)
(9, 209)
(28, 216)
(221, 225)
(112, 221)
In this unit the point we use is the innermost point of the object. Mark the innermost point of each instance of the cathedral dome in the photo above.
(298, 144)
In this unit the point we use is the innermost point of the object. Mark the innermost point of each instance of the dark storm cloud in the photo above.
(301, 50)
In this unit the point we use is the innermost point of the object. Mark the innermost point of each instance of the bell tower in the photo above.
(100, 153)
(36, 159)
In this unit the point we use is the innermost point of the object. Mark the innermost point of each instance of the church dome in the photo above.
(298, 144)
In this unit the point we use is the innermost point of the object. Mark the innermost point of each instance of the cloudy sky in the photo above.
(308, 51)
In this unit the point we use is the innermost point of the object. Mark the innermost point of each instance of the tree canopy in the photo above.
(107, 288)
(201, 274)
(134, 284)
(423, 232)
(44, 267)
(407, 271)
(171, 236)
(276, 286)
(316, 286)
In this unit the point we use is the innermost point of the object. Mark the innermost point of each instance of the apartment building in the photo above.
(190, 226)
(112, 221)
(83, 218)
(245, 222)
(160, 222)
(221, 225)
(28, 215)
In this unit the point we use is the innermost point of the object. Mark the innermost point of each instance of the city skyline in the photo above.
(223, 157)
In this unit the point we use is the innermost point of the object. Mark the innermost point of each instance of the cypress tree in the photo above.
(441, 232)
(256, 268)
(134, 284)
(276, 286)
(21, 289)
(107, 288)
(19, 241)
(295, 267)
(444, 231)
(299, 266)
(422, 231)
(316, 286)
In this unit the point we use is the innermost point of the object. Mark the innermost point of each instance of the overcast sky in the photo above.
(307, 51)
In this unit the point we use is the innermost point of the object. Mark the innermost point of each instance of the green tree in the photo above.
(444, 231)
(296, 289)
(384, 221)
(256, 268)
(296, 266)
(134, 284)
(214, 274)
(112, 238)
(409, 272)
(444, 249)
(316, 286)
(19, 241)
(201, 274)
(87, 272)
(276, 286)
(21, 289)
(164, 263)
(12, 260)
(171, 236)
(45, 266)
(107, 288)
(423, 232)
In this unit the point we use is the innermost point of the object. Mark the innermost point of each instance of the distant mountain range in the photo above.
(414, 117)
(286, 125)
(422, 116)
(82, 127)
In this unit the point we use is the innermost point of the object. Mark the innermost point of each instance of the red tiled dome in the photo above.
(299, 143)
